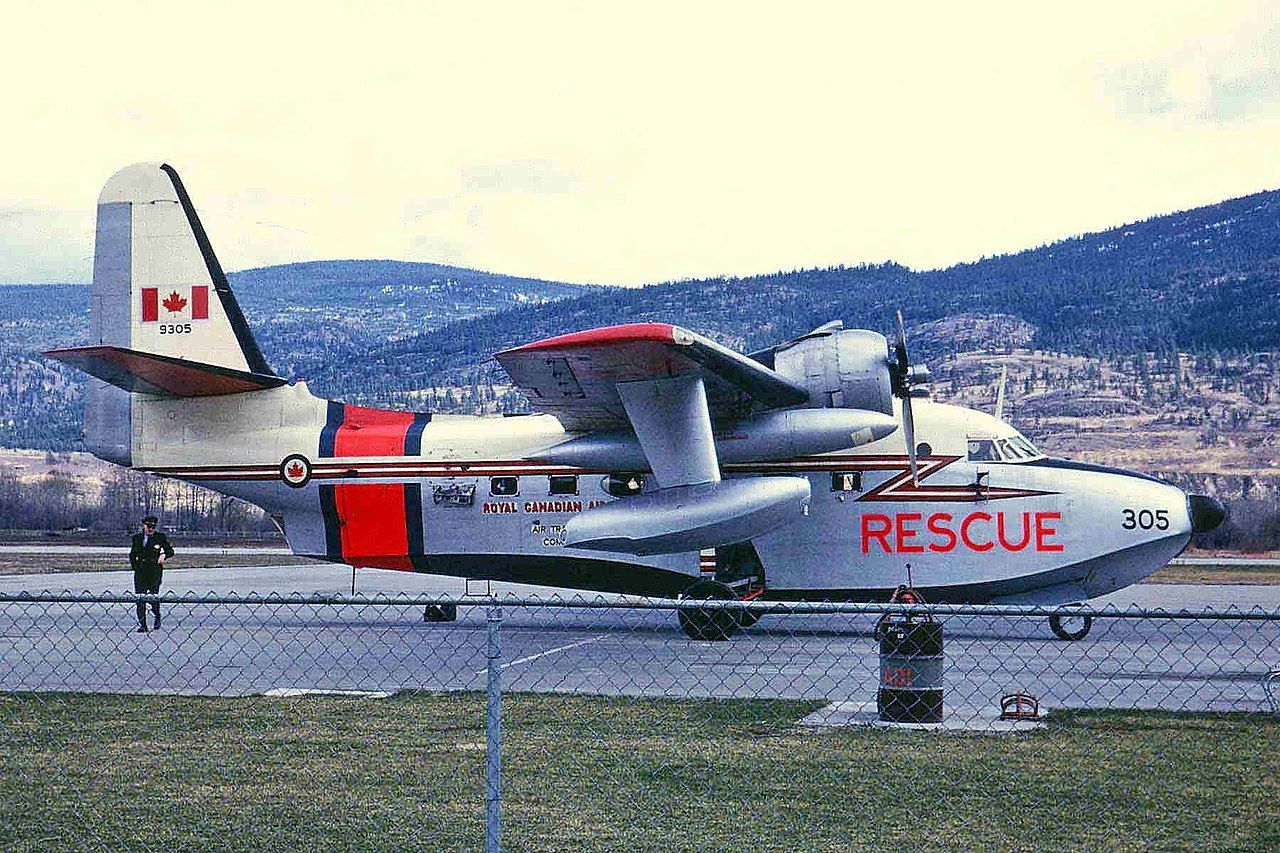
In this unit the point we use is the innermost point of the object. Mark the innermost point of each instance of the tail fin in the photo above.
(159, 300)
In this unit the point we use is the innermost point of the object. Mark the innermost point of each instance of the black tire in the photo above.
(714, 625)
(440, 613)
(747, 618)
(1062, 630)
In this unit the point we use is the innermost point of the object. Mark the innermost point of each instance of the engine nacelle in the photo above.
(843, 369)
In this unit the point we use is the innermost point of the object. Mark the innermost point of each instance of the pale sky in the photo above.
(632, 142)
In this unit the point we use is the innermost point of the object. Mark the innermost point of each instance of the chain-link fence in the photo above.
(246, 722)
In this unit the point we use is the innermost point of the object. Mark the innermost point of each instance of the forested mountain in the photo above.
(40, 400)
(303, 315)
(310, 314)
(1205, 281)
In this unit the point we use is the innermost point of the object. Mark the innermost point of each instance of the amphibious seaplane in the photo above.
(658, 461)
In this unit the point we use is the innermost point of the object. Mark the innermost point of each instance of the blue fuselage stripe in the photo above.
(413, 522)
(332, 528)
(413, 438)
(333, 420)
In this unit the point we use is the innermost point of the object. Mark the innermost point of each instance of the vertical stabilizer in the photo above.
(157, 289)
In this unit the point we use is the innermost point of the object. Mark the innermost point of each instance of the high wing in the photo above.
(576, 376)
(654, 378)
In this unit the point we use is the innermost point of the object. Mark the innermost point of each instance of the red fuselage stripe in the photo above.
(373, 524)
(426, 467)
(371, 432)
(383, 435)
(372, 518)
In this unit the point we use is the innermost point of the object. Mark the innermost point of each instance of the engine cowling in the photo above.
(842, 368)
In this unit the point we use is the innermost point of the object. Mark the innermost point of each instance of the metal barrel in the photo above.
(911, 671)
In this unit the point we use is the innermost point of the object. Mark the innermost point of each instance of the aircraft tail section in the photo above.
(163, 319)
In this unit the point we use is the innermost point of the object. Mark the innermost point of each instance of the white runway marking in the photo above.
(556, 650)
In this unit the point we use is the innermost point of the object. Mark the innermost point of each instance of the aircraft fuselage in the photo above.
(461, 495)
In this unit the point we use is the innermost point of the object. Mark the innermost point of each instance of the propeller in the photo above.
(904, 376)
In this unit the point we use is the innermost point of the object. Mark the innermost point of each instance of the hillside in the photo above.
(1206, 280)
(303, 315)
(306, 315)
(1204, 283)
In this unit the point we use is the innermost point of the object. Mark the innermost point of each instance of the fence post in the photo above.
(493, 736)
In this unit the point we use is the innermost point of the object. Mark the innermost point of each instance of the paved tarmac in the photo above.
(1201, 664)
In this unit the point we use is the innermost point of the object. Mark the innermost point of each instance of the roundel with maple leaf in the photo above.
(295, 470)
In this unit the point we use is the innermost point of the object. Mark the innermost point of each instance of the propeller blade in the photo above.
(900, 348)
(904, 376)
(909, 433)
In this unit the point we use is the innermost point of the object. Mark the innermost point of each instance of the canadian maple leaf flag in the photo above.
(172, 304)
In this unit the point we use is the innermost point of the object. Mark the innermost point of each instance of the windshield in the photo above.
(1014, 448)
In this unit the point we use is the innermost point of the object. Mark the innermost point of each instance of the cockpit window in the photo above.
(1011, 449)
(983, 450)
(1025, 443)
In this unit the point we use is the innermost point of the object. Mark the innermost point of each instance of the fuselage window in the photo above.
(563, 484)
(503, 487)
(924, 448)
(846, 481)
(623, 485)
(983, 450)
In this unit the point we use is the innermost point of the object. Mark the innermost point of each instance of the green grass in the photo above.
(582, 773)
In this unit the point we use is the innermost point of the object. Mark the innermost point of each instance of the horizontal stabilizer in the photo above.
(161, 375)
(690, 518)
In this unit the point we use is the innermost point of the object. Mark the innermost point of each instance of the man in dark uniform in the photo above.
(147, 554)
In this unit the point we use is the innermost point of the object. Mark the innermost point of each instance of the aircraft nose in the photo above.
(1206, 513)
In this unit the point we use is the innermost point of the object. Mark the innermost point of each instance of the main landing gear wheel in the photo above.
(1070, 627)
(709, 624)
(440, 613)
